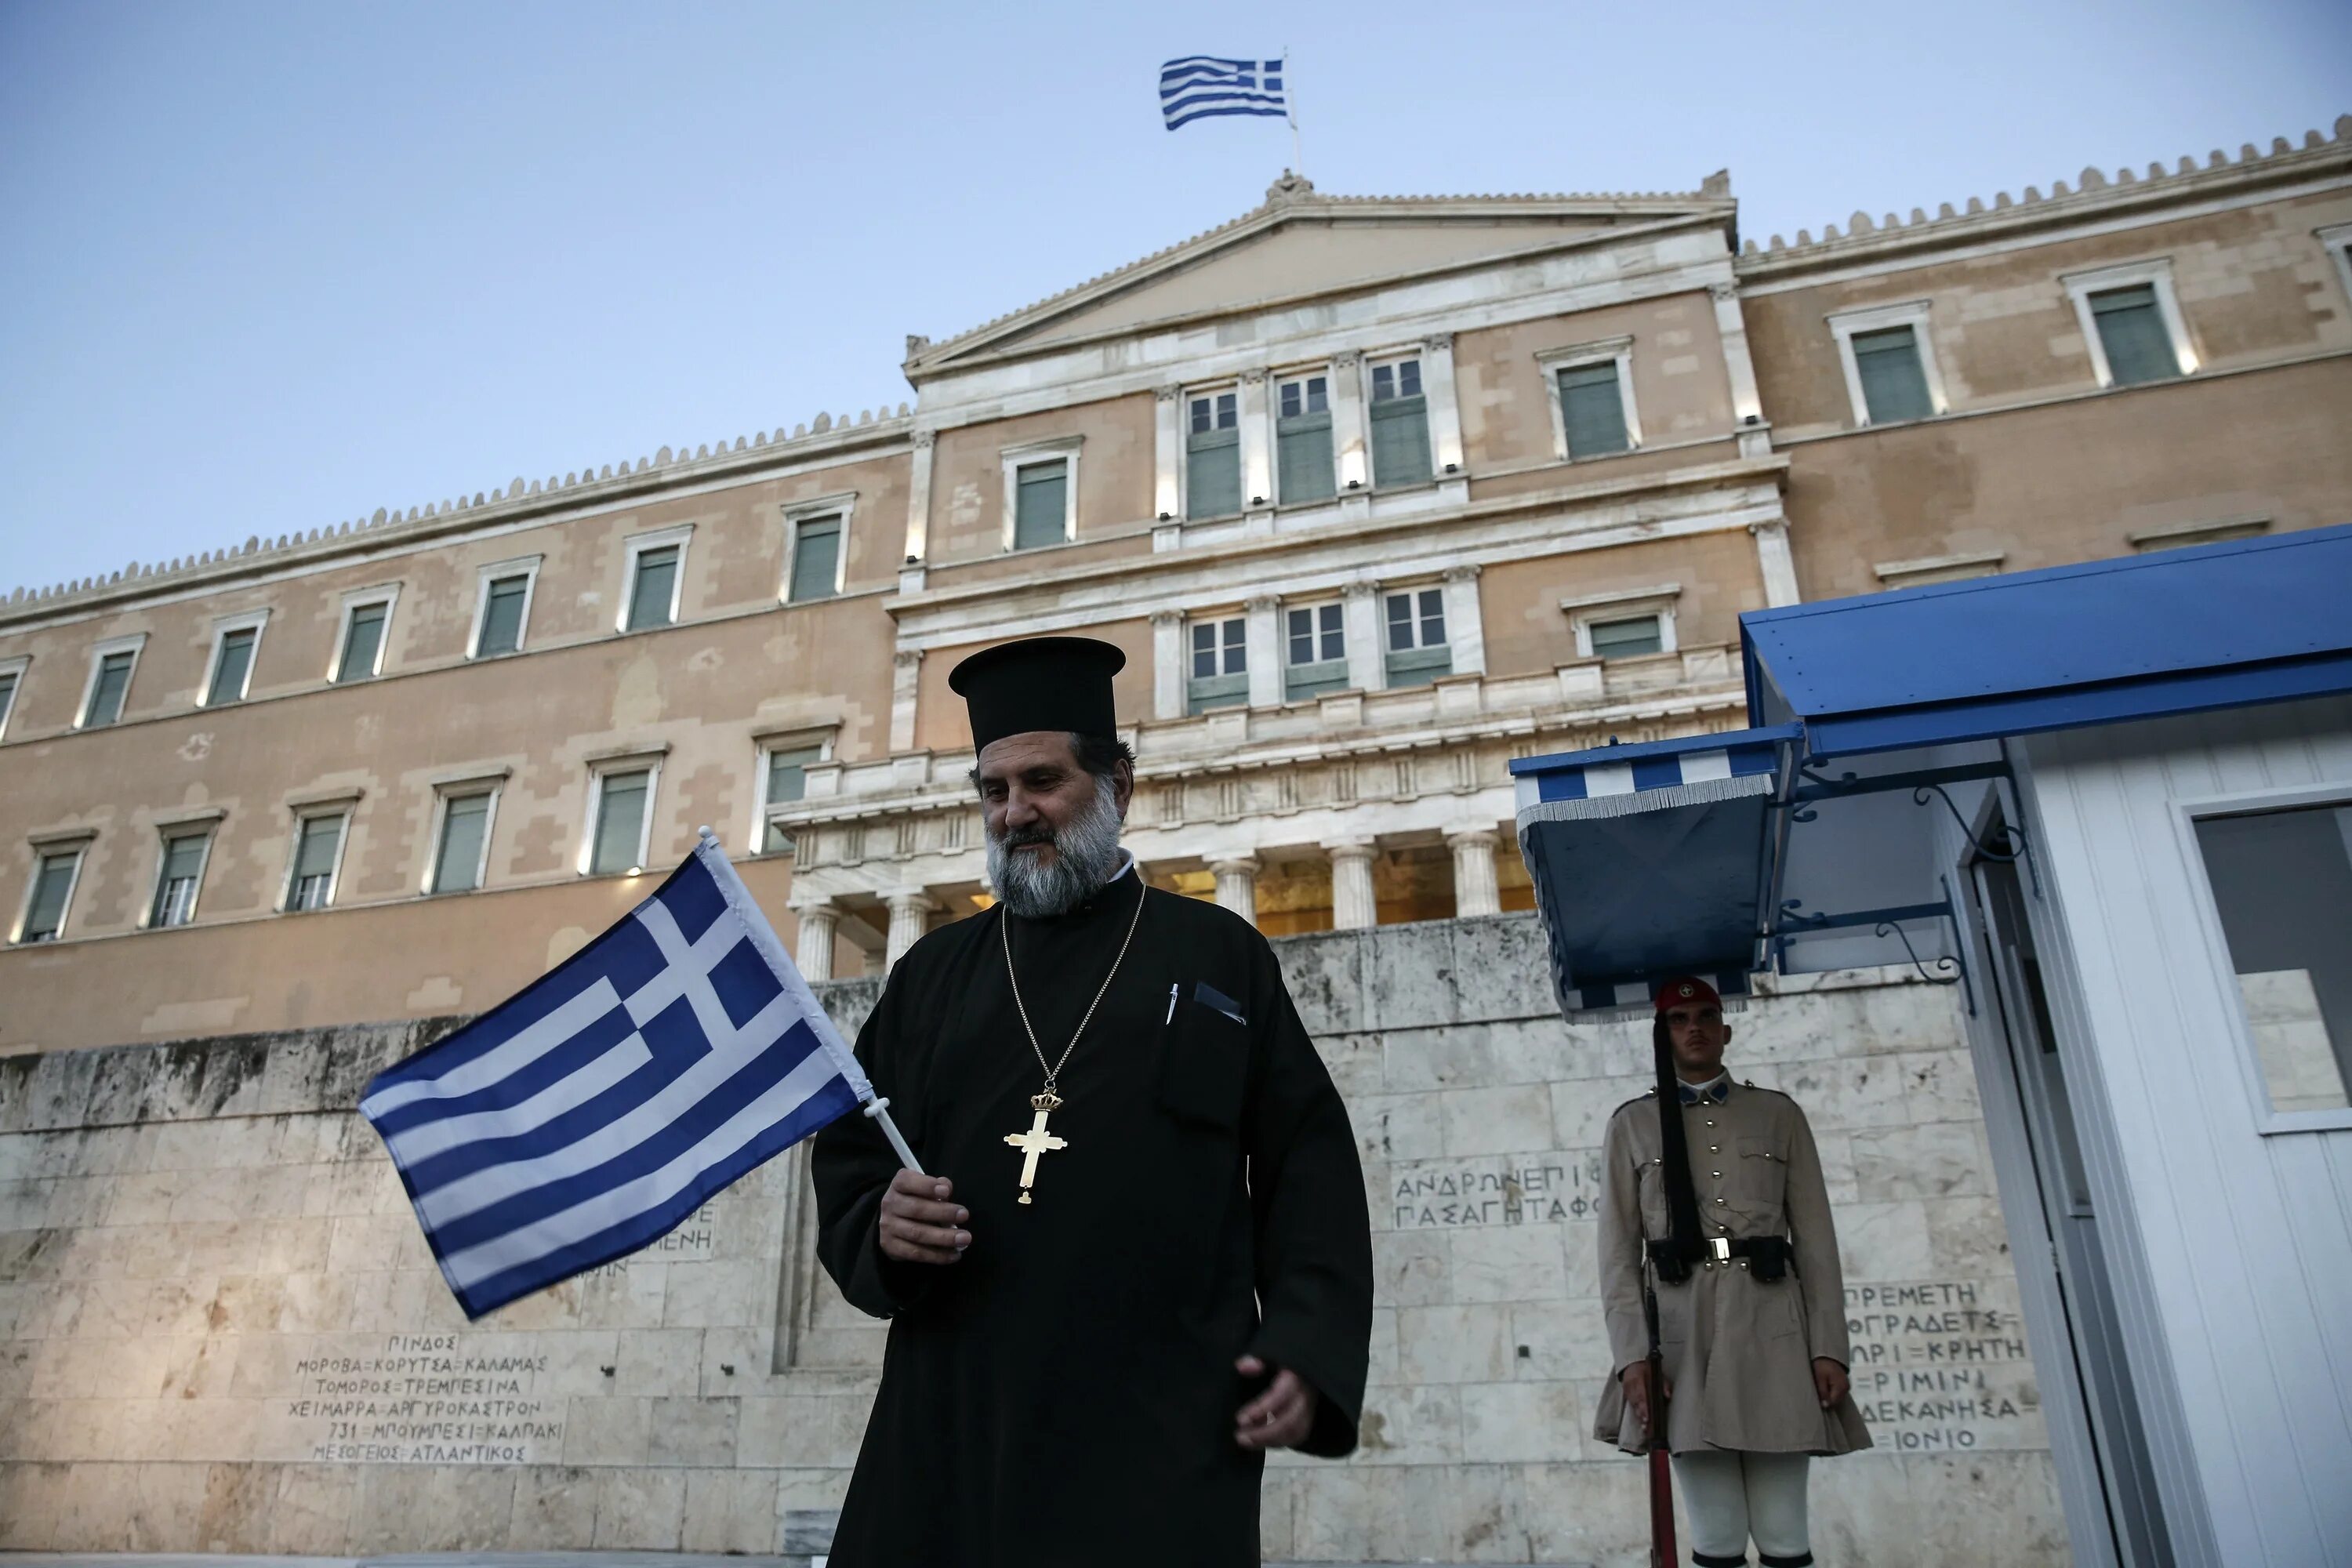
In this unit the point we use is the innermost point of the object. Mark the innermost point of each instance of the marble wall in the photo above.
(220, 1330)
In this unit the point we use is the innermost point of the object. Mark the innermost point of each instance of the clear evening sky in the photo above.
(269, 268)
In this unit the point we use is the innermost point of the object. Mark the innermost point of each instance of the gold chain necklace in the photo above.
(1037, 1141)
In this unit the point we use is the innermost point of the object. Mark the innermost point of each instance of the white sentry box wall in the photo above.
(2235, 1284)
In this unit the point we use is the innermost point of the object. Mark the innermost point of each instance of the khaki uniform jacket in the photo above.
(1738, 1353)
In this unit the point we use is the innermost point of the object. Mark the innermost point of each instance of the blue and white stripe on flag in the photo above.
(1199, 85)
(613, 1096)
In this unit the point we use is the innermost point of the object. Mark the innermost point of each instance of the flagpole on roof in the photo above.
(1290, 112)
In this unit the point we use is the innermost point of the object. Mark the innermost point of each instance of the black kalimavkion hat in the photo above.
(1039, 683)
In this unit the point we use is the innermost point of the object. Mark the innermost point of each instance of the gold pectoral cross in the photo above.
(1037, 1141)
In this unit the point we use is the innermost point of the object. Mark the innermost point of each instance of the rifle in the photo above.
(1661, 1479)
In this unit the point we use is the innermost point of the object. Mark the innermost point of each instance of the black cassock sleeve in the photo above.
(1314, 1231)
(852, 1164)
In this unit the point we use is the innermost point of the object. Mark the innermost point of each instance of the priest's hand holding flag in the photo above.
(617, 1094)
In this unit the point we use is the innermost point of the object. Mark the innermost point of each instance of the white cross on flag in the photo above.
(617, 1094)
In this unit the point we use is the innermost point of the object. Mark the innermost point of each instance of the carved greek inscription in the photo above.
(427, 1399)
(1509, 1189)
(1942, 1366)
(695, 1241)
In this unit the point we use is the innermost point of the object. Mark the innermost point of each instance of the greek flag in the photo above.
(613, 1096)
(1199, 85)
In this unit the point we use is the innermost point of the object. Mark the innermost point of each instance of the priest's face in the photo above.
(1053, 827)
(1697, 1033)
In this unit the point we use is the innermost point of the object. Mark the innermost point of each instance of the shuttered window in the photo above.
(314, 861)
(465, 825)
(653, 587)
(231, 665)
(502, 616)
(1317, 646)
(1894, 382)
(1593, 410)
(1041, 508)
(1220, 677)
(1624, 638)
(787, 781)
(816, 557)
(53, 882)
(176, 887)
(107, 693)
(363, 641)
(1400, 424)
(620, 822)
(2132, 331)
(1213, 456)
(1302, 440)
(1418, 652)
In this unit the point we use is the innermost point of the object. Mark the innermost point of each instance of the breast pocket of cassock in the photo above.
(1205, 1064)
(1759, 1178)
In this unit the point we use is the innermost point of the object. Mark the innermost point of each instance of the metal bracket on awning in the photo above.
(1810, 787)
(1884, 924)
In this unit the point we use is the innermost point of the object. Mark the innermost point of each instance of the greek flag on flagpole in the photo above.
(1199, 85)
(588, 1115)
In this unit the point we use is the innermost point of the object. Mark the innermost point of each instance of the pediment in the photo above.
(1302, 248)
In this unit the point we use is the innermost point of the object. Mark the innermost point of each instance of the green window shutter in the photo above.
(1213, 473)
(1400, 442)
(175, 889)
(1204, 692)
(106, 697)
(649, 595)
(1593, 410)
(458, 868)
(502, 616)
(362, 636)
(2132, 330)
(1041, 504)
(229, 671)
(816, 557)
(1303, 459)
(1420, 666)
(620, 822)
(1894, 381)
(1623, 639)
(50, 885)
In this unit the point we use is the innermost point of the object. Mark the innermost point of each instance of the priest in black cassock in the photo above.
(1139, 1255)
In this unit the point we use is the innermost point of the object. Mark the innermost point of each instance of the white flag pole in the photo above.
(1290, 112)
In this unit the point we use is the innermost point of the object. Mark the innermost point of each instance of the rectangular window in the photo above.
(464, 836)
(2132, 332)
(363, 641)
(8, 679)
(175, 886)
(318, 842)
(232, 664)
(1592, 407)
(502, 607)
(621, 800)
(787, 782)
(1220, 677)
(2282, 880)
(53, 885)
(1213, 456)
(1894, 380)
(108, 690)
(1400, 424)
(1624, 638)
(1040, 506)
(1417, 651)
(1302, 439)
(653, 587)
(816, 557)
(1317, 648)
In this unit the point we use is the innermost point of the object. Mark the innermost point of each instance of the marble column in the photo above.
(1354, 906)
(1475, 891)
(1263, 632)
(1465, 627)
(1774, 560)
(1731, 330)
(1444, 402)
(906, 689)
(910, 911)
(1257, 443)
(918, 499)
(818, 924)
(1167, 453)
(1237, 886)
(1169, 664)
(1350, 433)
(1368, 669)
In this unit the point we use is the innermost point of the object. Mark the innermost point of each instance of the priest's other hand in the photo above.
(1282, 1416)
(919, 1224)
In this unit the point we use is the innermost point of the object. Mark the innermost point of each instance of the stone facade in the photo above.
(220, 1330)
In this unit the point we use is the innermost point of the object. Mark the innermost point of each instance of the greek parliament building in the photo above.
(1378, 494)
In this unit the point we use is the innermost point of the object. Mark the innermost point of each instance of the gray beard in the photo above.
(1086, 854)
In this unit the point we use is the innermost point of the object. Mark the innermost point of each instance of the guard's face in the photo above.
(1698, 1034)
(1031, 787)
